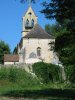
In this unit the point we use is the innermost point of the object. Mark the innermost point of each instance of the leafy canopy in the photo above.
(4, 49)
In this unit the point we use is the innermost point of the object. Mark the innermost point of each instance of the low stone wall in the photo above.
(27, 67)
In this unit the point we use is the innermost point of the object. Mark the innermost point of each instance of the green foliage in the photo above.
(61, 10)
(54, 71)
(24, 85)
(15, 51)
(13, 74)
(4, 49)
(70, 73)
(55, 30)
(17, 75)
(64, 13)
(40, 69)
(46, 72)
(67, 48)
(3, 73)
(48, 29)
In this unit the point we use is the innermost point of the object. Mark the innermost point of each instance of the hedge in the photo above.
(46, 72)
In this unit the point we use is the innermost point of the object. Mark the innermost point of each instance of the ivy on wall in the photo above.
(47, 72)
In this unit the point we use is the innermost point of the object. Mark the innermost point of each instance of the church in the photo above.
(36, 44)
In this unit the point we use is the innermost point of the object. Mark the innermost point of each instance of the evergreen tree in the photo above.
(61, 10)
(15, 51)
(4, 49)
(55, 29)
(64, 13)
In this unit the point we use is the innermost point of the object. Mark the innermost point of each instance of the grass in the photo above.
(50, 91)
(16, 82)
(16, 79)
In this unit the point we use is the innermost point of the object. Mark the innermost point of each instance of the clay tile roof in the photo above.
(11, 58)
(38, 32)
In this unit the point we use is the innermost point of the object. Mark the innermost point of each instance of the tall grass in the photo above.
(18, 83)
(14, 74)
(16, 79)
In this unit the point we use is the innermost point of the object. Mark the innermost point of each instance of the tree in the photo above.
(65, 46)
(55, 29)
(61, 10)
(64, 13)
(4, 49)
(15, 51)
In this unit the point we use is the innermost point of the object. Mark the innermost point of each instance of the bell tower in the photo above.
(29, 20)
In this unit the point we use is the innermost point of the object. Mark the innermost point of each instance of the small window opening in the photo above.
(38, 51)
(27, 23)
(32, 23)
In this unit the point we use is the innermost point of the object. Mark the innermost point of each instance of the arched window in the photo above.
(38, 51)
(32, 22)
(27, 23)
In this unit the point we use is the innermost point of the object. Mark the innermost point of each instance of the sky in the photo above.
(11, 13)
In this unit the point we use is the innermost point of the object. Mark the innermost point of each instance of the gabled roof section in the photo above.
(39, 33)
(30, 9)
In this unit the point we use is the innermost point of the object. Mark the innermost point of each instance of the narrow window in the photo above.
(38, 51)
(27, 23)
(32, 23)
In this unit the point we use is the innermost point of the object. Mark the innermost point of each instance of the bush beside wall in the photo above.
(70, 73)
(47, 72)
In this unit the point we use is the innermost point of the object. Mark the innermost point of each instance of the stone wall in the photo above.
(30, 47)
(27, 67)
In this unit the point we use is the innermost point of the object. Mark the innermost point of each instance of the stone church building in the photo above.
(35, 45)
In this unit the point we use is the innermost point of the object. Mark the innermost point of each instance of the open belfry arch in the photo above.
(29, 20)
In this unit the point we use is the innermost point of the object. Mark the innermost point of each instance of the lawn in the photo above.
(18, 83)
(49, 91)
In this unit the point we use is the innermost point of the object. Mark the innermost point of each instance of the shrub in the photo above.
(70, 73)
(46, 72)
(54, 71)
(40, 69)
